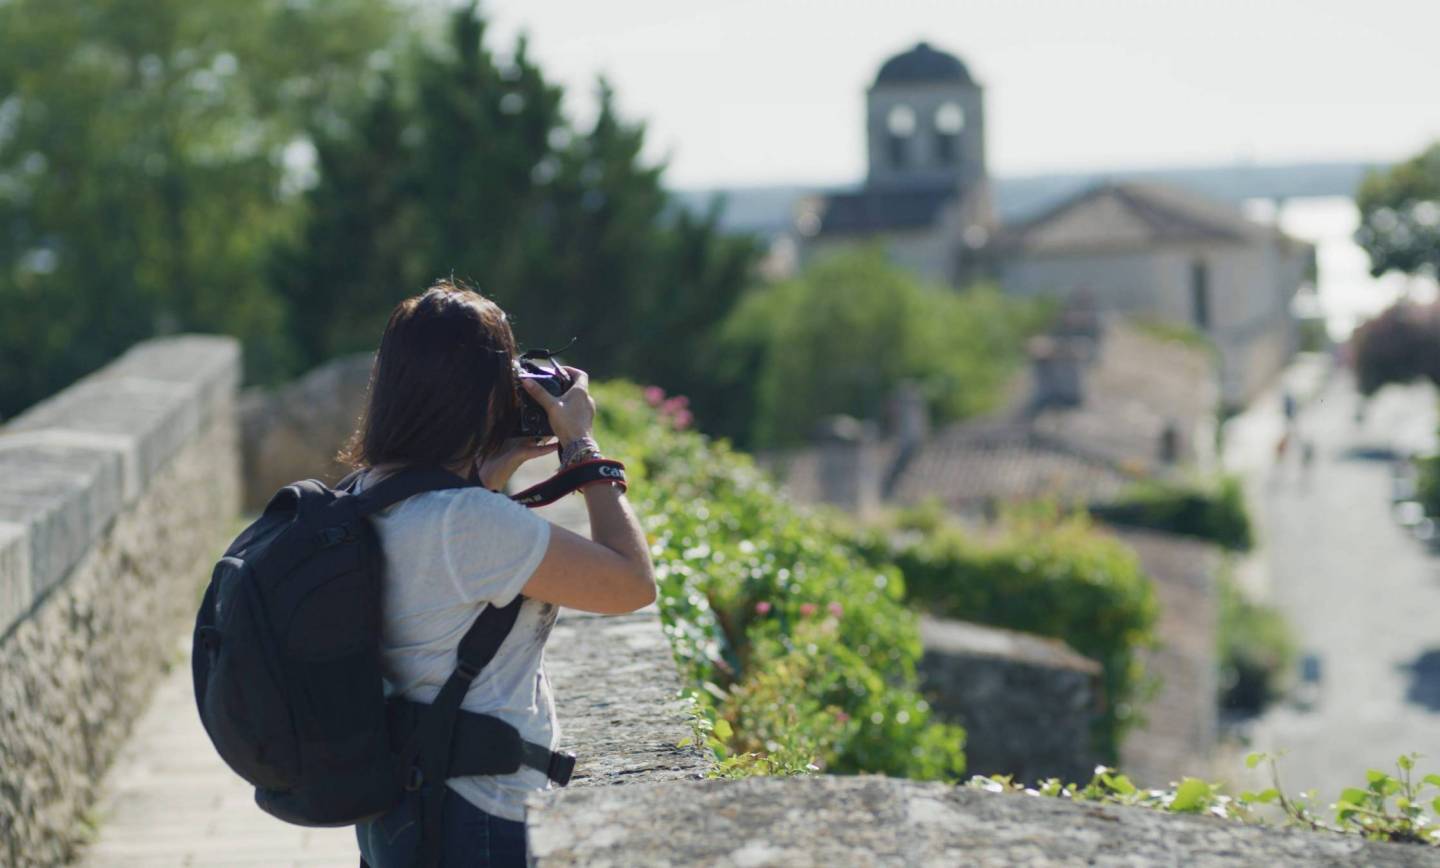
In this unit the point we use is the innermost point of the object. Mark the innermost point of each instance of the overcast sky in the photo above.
(771, 91)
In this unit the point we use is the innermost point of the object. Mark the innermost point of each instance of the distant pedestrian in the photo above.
(1287, 402)
(1307, 454)
(1281, 447)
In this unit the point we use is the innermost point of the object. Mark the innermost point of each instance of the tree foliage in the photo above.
(149, 182)
(465, 164)
(142, 167)
(839, 338)
(1400, 216)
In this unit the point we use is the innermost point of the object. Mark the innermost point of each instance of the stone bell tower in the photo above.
(925, 128)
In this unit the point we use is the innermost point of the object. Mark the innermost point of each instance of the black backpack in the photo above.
(286, 662)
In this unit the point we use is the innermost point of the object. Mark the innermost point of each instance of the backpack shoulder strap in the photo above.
(406, 483)
(436, 733)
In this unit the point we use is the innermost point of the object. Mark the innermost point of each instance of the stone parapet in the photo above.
(617, 692)
(875, 821)
(114, 495)
(71, 463)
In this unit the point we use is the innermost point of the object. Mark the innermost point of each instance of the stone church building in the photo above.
(1136, 249)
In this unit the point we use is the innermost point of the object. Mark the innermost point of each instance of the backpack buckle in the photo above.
(414, 779)
(562, 766)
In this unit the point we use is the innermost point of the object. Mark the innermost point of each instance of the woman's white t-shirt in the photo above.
(448, 555)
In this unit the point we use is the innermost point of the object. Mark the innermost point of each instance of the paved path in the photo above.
(170, 801)
(1363, 596)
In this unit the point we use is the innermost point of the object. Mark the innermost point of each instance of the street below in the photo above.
(1361, 593)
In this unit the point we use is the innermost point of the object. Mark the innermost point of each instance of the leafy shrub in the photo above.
(799, 653)
(1257, 649)
(1214, 512)
(1050, 574)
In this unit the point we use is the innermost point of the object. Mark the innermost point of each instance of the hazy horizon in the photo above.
(761, 93)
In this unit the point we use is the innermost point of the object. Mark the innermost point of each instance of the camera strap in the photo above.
(572, 479)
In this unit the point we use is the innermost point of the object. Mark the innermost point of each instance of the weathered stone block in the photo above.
(160, 416)
(293, 432)
(209, 363)
(875, 821)
(1027, 703)
(617, 693)
(64, 496)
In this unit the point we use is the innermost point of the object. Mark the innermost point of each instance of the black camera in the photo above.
(534, 422)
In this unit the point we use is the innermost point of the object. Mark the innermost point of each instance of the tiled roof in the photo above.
(1137, 385)
(970, 475)
(886, 210)
(1132, 215)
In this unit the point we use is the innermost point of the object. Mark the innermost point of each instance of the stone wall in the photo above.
(115, 496)
(1180, 728)
(1027, 703)
(875, 821)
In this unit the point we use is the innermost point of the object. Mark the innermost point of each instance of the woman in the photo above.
(443, 393)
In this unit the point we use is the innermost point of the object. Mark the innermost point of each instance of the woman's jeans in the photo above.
(470, 838)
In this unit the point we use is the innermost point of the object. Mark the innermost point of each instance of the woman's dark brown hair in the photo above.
(442, 390)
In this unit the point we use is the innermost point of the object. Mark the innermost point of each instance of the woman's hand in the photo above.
(572, 415)
(494, 471)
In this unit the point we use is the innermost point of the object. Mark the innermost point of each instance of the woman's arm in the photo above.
(610, 573)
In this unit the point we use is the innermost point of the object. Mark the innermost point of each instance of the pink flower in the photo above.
(807, 609)
(842, 717)
(836, 609)
(654, 395)
(682, 419)
(762, 608)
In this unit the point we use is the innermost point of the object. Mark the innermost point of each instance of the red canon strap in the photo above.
(573, 479)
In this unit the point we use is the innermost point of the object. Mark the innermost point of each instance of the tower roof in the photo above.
(923, 65)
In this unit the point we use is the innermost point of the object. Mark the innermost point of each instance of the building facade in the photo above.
(1167, 256)
(1140, 250)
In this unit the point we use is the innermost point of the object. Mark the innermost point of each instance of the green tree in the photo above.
(1400, 216)
(142, 169)
(465, 164)
(840, 337)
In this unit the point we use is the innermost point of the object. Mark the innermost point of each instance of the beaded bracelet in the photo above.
(579, 449)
